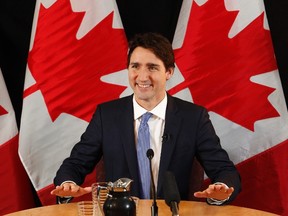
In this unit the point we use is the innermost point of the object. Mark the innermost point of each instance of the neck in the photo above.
(149, 104)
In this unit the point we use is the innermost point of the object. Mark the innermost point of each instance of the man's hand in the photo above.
(70, 189)
(215, 191)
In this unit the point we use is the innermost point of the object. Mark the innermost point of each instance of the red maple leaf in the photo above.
(217, 69)
(3, 111)
(67, 70)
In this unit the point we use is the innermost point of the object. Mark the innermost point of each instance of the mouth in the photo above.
(143, 85)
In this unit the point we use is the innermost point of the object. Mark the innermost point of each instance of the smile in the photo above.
(143, 86)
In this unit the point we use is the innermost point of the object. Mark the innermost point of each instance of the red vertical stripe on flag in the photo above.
(267, 188)
(16, 190)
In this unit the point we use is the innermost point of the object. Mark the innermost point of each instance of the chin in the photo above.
(143, 97)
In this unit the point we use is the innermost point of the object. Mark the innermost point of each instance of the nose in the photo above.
(143, 74)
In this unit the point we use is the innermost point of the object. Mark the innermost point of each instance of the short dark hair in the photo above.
(155, 42)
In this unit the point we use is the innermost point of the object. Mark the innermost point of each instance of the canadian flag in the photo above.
(16, 193)
(74, 45)
(225, 62)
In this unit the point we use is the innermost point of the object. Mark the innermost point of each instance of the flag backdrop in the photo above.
(224, 61)
(225, 56)
(16, 193)
(73, 45)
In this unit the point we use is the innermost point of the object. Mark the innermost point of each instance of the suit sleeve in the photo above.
(84, 155)
(214, 159)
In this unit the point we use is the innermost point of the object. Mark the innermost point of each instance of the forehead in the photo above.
(143, 55)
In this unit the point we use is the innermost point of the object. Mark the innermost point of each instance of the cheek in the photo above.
(131, 75)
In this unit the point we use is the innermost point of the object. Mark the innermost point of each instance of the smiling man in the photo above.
(115, 130)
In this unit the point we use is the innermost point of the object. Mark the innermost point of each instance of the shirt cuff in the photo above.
(68, 182)
(62, 200)
(212, 201)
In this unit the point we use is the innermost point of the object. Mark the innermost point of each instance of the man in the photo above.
(186, 130)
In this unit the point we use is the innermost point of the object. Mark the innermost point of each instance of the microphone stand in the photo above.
(174, 209)
(154, 207)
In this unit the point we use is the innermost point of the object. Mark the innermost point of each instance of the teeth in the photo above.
(143, 86)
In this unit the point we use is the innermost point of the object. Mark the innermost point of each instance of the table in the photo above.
(187, 208)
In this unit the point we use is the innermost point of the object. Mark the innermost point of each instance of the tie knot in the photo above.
(145, 117)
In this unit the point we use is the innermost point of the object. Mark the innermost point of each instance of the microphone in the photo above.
(165, 137)
(154, 207)
(171, 193)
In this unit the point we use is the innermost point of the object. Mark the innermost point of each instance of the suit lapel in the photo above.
(172, 126)
(126, 128)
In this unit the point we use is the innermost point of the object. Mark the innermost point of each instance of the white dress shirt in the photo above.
(156, 128)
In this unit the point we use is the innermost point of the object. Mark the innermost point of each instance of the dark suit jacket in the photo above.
(111, 134)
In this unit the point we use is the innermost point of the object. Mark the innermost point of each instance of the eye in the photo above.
(153, 68)
(133, 65)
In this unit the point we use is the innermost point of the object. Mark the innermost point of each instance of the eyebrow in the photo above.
(153, 65)
(148, 64)
(132, 63)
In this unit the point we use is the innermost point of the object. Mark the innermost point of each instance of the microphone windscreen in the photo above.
(150, 153)
(170, 188)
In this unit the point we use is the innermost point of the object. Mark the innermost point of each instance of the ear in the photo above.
(169, 73)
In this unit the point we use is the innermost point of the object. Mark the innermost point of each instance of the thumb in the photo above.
(88, 189)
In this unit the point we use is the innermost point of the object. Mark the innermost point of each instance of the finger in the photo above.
(53, 192)
(227, 190)
(57, 190)
(59, 193)
(198, 195)
(82, 191)
(88, 189)
(201, 194)
(230, 190)
(211, 189)
(74, 188)
(66, 187)
(220, 187)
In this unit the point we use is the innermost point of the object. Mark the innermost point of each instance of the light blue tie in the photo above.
(143, 162)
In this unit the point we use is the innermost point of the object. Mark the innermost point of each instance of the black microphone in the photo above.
(154, 207)
(171, 193)
(165, 137)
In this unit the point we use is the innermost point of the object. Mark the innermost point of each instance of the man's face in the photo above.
(147, 77)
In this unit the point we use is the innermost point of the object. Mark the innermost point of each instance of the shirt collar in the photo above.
(159, 110)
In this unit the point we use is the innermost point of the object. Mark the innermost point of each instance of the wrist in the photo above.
(62, 200)
(212, 201)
